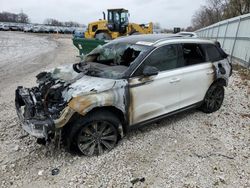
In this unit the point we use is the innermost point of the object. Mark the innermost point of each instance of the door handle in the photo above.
(210, 72)
(175, 80)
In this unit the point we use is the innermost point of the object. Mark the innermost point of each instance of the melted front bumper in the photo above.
(36, 126)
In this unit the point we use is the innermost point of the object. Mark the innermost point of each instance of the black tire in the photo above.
(213, 99)
(103, 36)
(93, 134)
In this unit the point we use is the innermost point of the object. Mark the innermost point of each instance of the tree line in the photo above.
(24, 18)
(218, 10)
(11, 17)
(54, 22)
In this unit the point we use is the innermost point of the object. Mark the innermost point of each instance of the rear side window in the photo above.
(192, 54)
(212, 52)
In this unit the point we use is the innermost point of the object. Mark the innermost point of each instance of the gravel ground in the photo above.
(191, 149)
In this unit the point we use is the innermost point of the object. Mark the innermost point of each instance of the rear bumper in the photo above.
(33, 123)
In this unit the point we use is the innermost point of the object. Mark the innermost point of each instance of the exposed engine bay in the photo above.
(42, 104)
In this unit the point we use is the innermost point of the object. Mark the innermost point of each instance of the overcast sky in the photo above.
(169, 13)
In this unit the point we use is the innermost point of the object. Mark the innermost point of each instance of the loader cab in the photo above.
(118, 20)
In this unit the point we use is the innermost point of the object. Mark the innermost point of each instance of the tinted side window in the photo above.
(192, 54)
(163, 58)
(212, 52)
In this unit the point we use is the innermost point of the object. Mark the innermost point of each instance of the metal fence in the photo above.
(233, 35)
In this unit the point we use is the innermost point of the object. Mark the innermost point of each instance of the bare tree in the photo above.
(240, 7)
(52, 22)
(156, 25)
(189, 29)
(71, 24)
(11, 17)
(201, 18)
(218, 10)
(23, 18)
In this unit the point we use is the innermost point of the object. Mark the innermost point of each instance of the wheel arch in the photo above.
(116, 112)
(123, 128)
(70, 132)
(220, 81)
(205, 107)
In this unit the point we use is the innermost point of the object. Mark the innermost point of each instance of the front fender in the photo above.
(84, 104)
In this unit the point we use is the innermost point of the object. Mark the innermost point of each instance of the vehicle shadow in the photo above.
(165, 122)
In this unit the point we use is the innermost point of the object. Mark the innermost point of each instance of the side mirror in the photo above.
(150, 71)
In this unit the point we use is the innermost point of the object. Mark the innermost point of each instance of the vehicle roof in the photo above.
(158, 39)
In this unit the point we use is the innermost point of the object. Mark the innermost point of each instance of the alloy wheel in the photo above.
(97, 137)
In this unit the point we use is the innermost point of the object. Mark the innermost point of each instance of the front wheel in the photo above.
(213, 99)
(96, 137)
(94, 134)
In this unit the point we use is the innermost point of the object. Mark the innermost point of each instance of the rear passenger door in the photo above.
(197, 74)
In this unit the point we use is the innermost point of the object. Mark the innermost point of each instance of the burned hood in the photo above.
(73, 84)
(65, 73)
(87, 85)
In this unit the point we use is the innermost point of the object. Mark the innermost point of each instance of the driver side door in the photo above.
(156, 95)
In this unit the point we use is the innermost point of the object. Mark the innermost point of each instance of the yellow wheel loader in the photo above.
(116, 25)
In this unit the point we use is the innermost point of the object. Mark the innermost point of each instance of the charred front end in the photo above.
(42, 109)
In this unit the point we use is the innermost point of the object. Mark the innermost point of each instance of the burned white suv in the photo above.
(126, 83)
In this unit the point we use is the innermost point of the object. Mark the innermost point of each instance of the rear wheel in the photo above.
(103, 36)
(94, 134)
(213, 99)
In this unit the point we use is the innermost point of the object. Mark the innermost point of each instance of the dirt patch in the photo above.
(243, 72)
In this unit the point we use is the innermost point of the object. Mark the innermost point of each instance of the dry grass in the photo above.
(245, 115)
(243, 72)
